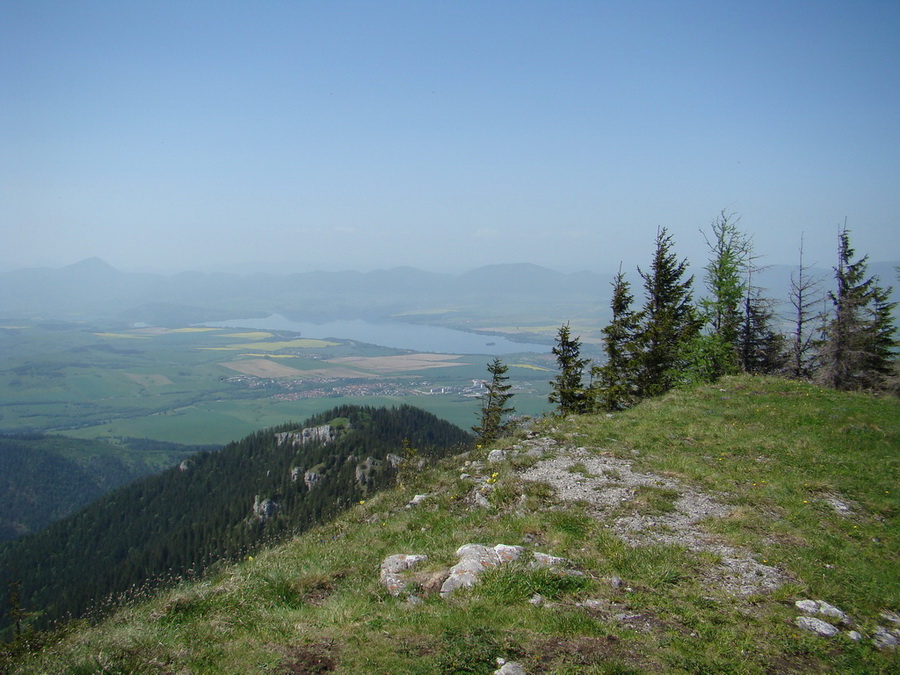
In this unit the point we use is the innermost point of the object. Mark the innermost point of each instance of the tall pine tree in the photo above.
(568, 391)
(760, 347)
(494, 408)
(669, 321)
(726, 272)
(804, 296)
(614, 382)
(858, 341)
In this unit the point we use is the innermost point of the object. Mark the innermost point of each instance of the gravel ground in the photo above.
(606, 483)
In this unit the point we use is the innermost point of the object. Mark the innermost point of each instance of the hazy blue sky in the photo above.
(442, 135)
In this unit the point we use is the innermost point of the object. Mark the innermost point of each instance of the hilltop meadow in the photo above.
(806, 479)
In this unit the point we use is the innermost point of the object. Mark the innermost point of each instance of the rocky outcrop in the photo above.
(365, 469)
(321, 434)
(393, 567)
(474, 559)
(882, 637)
(263, 509)
(311, 478)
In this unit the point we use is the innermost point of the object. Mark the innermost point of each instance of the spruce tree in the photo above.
(804, 296)
(760, 347)
(858, 342)
(730, 258)
(494, 408)
(668, 321)
(614, 381)
(568, 390)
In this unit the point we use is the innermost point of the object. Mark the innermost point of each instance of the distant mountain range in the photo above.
(93, 290)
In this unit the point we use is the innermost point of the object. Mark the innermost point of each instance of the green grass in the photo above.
(775, 451)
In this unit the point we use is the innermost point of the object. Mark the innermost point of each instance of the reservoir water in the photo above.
(397, 335)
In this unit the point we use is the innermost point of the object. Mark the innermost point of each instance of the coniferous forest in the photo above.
(216, 506)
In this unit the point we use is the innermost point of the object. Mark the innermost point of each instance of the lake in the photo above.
(397, 335)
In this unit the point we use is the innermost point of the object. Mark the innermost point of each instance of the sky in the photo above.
(444, 135)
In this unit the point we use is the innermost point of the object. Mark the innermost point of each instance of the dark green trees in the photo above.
(668, 321)
(494, 408)
(614, 381)
(726, 283)
(569, 392)
(858, 340)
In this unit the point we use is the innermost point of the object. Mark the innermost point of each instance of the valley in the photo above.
(211, 385)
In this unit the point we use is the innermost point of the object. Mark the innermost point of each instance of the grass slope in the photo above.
(780, 454)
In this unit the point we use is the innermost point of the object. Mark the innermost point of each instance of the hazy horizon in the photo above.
(166, 136)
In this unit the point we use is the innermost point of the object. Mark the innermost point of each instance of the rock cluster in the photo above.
(321, 434)
(474, 559)
(883, 638)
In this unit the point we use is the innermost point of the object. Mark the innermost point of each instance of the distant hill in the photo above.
(94, 290)
(219, 505)
(44, 478)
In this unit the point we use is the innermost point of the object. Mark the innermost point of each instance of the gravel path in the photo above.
(606, 483)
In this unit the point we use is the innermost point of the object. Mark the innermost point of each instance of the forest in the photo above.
(215, 506)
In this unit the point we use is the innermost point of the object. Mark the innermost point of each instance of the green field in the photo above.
(214, 385)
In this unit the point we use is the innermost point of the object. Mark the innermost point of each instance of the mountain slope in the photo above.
(799, 480)
(217, 505)
(44, 478)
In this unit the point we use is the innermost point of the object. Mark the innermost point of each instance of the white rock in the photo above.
(891, 616)
(884, 639)
(808, 606)
(415, 501)
(510, 668)
(832, 612)
(854, 635)
(508, 553)
(496, 456)
(391, 568)
(809, 623)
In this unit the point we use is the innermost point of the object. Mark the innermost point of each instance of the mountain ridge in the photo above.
(800, 480)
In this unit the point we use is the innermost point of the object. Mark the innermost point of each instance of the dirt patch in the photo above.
(548, 655)
(400, 363)
(275, 369)
(310, 660)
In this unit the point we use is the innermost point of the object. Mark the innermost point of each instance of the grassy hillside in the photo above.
(794, 491)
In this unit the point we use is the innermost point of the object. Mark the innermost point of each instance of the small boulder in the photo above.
(510, 668)
(393, 566)
(832, 612)
(496, 456)
(543, 560)
(814, 625)
(415, 501)
(884, 639)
